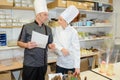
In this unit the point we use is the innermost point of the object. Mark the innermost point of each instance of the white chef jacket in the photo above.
(67, 38)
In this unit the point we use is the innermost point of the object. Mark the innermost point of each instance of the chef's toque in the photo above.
(40, 6)
(70, 13)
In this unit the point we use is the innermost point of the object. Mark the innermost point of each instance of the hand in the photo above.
(31, 45)
(52, 46)
(77, 71)
(65, 52)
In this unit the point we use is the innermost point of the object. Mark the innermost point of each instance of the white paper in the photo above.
(53, 75)
(40, 39)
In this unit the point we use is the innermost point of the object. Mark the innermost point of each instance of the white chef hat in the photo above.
(40, 6)
(70, 13)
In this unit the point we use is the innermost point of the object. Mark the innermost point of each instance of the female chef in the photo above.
(67, 43)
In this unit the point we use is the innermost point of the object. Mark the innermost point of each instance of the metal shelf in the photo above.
(107, 3)
(59, 9)
(96, 39)
(16, 8)
(10, 26)
(105, 26)
(8, 48)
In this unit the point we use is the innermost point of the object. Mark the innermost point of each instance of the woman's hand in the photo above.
(77, 71)
(65, 52)
(51, 46)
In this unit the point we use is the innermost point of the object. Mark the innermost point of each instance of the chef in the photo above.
(67, 43)
(35, 58)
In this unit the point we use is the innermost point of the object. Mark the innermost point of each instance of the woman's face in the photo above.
(62, 22)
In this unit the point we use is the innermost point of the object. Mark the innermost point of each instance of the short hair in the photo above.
(77, 18)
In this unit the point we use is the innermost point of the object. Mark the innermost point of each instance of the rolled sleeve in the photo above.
(22, 36)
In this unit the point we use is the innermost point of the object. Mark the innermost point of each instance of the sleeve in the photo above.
(76, 50)
(22, 36)
(58, 50)
(50, 39)
(57, 45)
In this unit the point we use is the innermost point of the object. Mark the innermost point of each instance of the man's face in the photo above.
(42, 17)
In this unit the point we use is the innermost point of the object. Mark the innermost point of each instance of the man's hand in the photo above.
(31, 45)
(65, 52)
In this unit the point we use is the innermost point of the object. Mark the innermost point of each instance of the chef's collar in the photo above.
(37, 23)
(67, 27)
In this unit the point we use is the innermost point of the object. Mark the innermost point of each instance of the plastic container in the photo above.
(107, 61)
(112, 59)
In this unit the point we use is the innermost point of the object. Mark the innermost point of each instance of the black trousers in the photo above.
(63, 70)
(34, 73)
